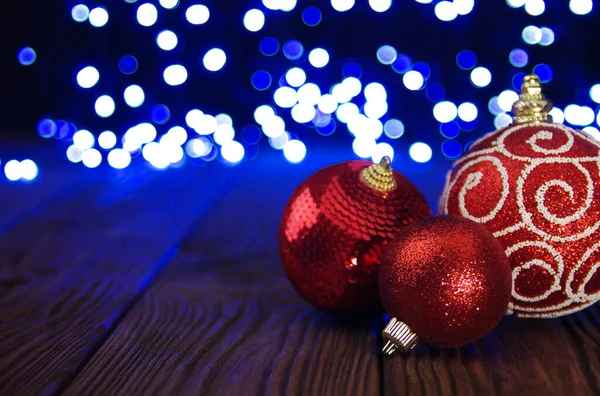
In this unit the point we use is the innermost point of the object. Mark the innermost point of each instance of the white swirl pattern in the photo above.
(555, 233)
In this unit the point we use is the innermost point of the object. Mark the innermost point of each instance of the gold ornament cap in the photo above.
(532, 105)
(380, 176)
(398, 337)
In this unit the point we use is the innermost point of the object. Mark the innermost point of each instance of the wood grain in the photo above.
(223, 320)
(521, 357)
(69, 274)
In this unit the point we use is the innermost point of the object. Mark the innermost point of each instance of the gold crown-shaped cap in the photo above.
(380, 176)
(532, 105)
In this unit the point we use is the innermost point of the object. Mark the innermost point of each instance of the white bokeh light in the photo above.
(29, 170)
(80, 13)
(579, 115)
(294, 151)
(295, 77)
(263, 113)
(467, 112)
(445, 111)
(364, 146)
(166, 40)
(446, 11)
(557, 115)
(464, 7)
(342, 5)
(579, 7)
(74, 154)
(83, 139)
(506, 99)
(535, 7)
(88, 77)
(595, 93)
(285, 97)
(346, 112)
(214, 60)
(134, 96)
(175, 75)
(352, 86)
(273, 127)
(119, 159)
(531, 34)
(12, 170)
(309, 94)
(413, 80)
(481, 77)
(254, 20)
(318, 57)
(224, 134)
(516, 3)
(382, 150)
(98, 17)
(303, 113)
(420, 152)
(147, 14)
(105, 106)
(327, 104)
(375, 92)
(380, 5)
(592, 131)
(107, 140)
(197, 14)
(375, 109)
(233, 152)
(91, 158)
(169, 4)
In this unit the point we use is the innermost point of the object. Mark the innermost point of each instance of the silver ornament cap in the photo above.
(398, 337)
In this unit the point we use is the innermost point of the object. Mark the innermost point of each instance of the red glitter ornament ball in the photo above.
(447, 279)
(536, 186)
(335, 228)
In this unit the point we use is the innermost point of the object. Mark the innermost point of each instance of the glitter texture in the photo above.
(333, 233)
(537, 188)
(447, 278)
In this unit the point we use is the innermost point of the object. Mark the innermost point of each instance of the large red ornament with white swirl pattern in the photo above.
(536, 186)
(334, 230)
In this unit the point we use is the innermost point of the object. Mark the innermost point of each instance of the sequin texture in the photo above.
(333, 232)
(447, 278)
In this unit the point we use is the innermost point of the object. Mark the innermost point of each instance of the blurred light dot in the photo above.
(451, 148)
(29, 170)
(579, 115)
(91, 158)
(261, 80)
(532, 34)
(287, 5)
(535, 7)
(309, 94)
(128, 64)
(166, 40)
(393, 128)
(214, 60)
(327, 104)
(517, 81)
(380, 5)
(224, 134)
(285, 97)
(346, 112)
(46, 128)
(177, 135)
(375, 109)
(422, 68)
(481, 77)
(251, 134)
(294, 151)
(387, 54)
(295, 77)
(119, 159)
(80, 13)
(445, 111)
(88, 77)
(197, 14)
(544, 72)
(518, 58)
(424, 1)
(147, 14)
(558, 116)
(327, 129)
(293, 49)
(352, 69)
(420, 152)
(502, 120)
(466, 60)
(581, 7)
(12, 170)
(506, 100)
(413, 80)
(592, 131)
(263, 113)
(342, 5)
(516, 3)
(74, 154)
(107, 140)
(268, 46)
(175, 75)
(382, 150)
(493, 106)
(318, 57)
(272, 4)
(98, 17)
(446, 11)
(595, 93)
(303, 113)
(341, 93)
(233, 152)
(169, 4)
(279, 142)
(464, 7)
(254, 20)
(160, 114)
(449, 130)
(134, 96)
(273, 127)
(352, 86)
(467, 112)
(547, 36)
(105, 106)
(435, 92)
(194, 118)
(375, 92)
(83, 139)
(207, 125)
(311, 16)
(198, 147)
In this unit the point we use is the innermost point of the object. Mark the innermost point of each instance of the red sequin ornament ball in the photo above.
(335, 228)
(444, 281)
(536, 186)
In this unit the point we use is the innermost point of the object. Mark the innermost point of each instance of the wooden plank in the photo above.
(69, 274)
(522, 356)
(222, 318)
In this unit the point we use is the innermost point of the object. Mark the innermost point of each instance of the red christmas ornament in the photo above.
(536, 186)
(444, 281)
(335, 228)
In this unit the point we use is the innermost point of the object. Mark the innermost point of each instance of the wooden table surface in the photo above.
(142, 282)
